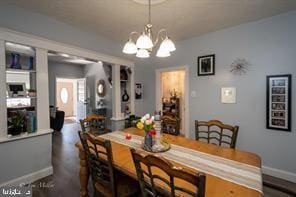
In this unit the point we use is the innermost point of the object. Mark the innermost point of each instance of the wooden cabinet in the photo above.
(171, 116)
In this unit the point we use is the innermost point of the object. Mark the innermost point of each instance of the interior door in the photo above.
(81, 99)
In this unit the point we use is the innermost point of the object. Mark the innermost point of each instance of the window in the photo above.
(64, 95)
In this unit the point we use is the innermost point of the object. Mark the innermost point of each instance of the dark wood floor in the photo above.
(65, 180)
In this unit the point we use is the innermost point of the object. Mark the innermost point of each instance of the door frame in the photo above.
(186, 88)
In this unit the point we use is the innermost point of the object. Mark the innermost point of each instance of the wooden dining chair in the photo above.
(148, 168)
(106, 180)
(215, 132)
(95, 124)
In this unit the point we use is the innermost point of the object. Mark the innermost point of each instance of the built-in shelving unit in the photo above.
(125, 90)
(21, 94)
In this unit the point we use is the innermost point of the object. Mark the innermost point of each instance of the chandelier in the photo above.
(145, 42)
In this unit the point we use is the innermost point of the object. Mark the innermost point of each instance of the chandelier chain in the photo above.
(149, 14)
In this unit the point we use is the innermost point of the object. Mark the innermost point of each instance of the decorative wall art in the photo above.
(206, 65)
(278, 99)
(228, 95)
(239, 66)
(101, 88)
(138, 91)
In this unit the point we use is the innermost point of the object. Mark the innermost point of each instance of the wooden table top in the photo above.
(215, 187)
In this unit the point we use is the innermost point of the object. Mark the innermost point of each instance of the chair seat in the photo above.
(125, 186)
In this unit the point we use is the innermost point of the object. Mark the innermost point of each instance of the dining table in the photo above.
(234, 175)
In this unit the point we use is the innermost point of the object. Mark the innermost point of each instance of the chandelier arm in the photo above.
(158, 34)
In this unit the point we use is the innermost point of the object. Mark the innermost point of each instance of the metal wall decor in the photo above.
(278, 99)
(239, 66)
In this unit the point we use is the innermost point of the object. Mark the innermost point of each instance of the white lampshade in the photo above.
(167, 45)
(144, 42)
(130, 47)
(162, 53)
(142, 53)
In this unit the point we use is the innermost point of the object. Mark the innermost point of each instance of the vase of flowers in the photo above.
(147, 124)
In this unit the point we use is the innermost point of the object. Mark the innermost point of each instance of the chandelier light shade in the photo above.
(167, 45)
(161, 53)
(145, 42)
(130, 47)
(142, 53)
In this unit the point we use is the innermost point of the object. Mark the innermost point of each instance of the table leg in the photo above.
(83, 174)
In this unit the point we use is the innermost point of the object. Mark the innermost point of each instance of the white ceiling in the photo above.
(115, 19)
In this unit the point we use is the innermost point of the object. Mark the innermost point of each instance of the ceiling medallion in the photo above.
(145, 42)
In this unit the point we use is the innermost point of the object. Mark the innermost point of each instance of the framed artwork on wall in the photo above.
(206, 65)
(278, 102)
(138, 91)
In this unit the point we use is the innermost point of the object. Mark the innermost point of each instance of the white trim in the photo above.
(29, 178)
(3, 119)
(5, 138)
(158, 92)
(39, 42)
(279, 173)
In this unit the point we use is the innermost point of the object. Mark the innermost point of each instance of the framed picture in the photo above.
(138, 91)
(206, 65)
(16, 89)
(278, 102)
(228, 95)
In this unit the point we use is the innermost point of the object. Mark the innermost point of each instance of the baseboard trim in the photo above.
(289, 176)
(29, 178)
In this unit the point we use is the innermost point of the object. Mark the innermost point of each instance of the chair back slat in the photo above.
(150, 182)
(99, 160)
(95, 124)
(226, 134)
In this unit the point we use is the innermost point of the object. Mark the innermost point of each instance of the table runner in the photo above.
(233, 171)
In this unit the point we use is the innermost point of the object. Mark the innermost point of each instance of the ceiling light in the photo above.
(161, 53)
(145, 42)
(130, 47)
(142, 53)
(80, 61)
(64, 55)
(167, 45)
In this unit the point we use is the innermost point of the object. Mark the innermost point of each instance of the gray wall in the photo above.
(61, 70)
(18, 158)
(270, 46)
(145, 74)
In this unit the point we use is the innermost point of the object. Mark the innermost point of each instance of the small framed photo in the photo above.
(206, 65)
(278, 102)
(228, 95)
(138, 91)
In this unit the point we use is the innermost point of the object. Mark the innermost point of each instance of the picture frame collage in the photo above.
(278, 113)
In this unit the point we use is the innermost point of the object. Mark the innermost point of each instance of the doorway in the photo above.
(174, 81)
(70, 98)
